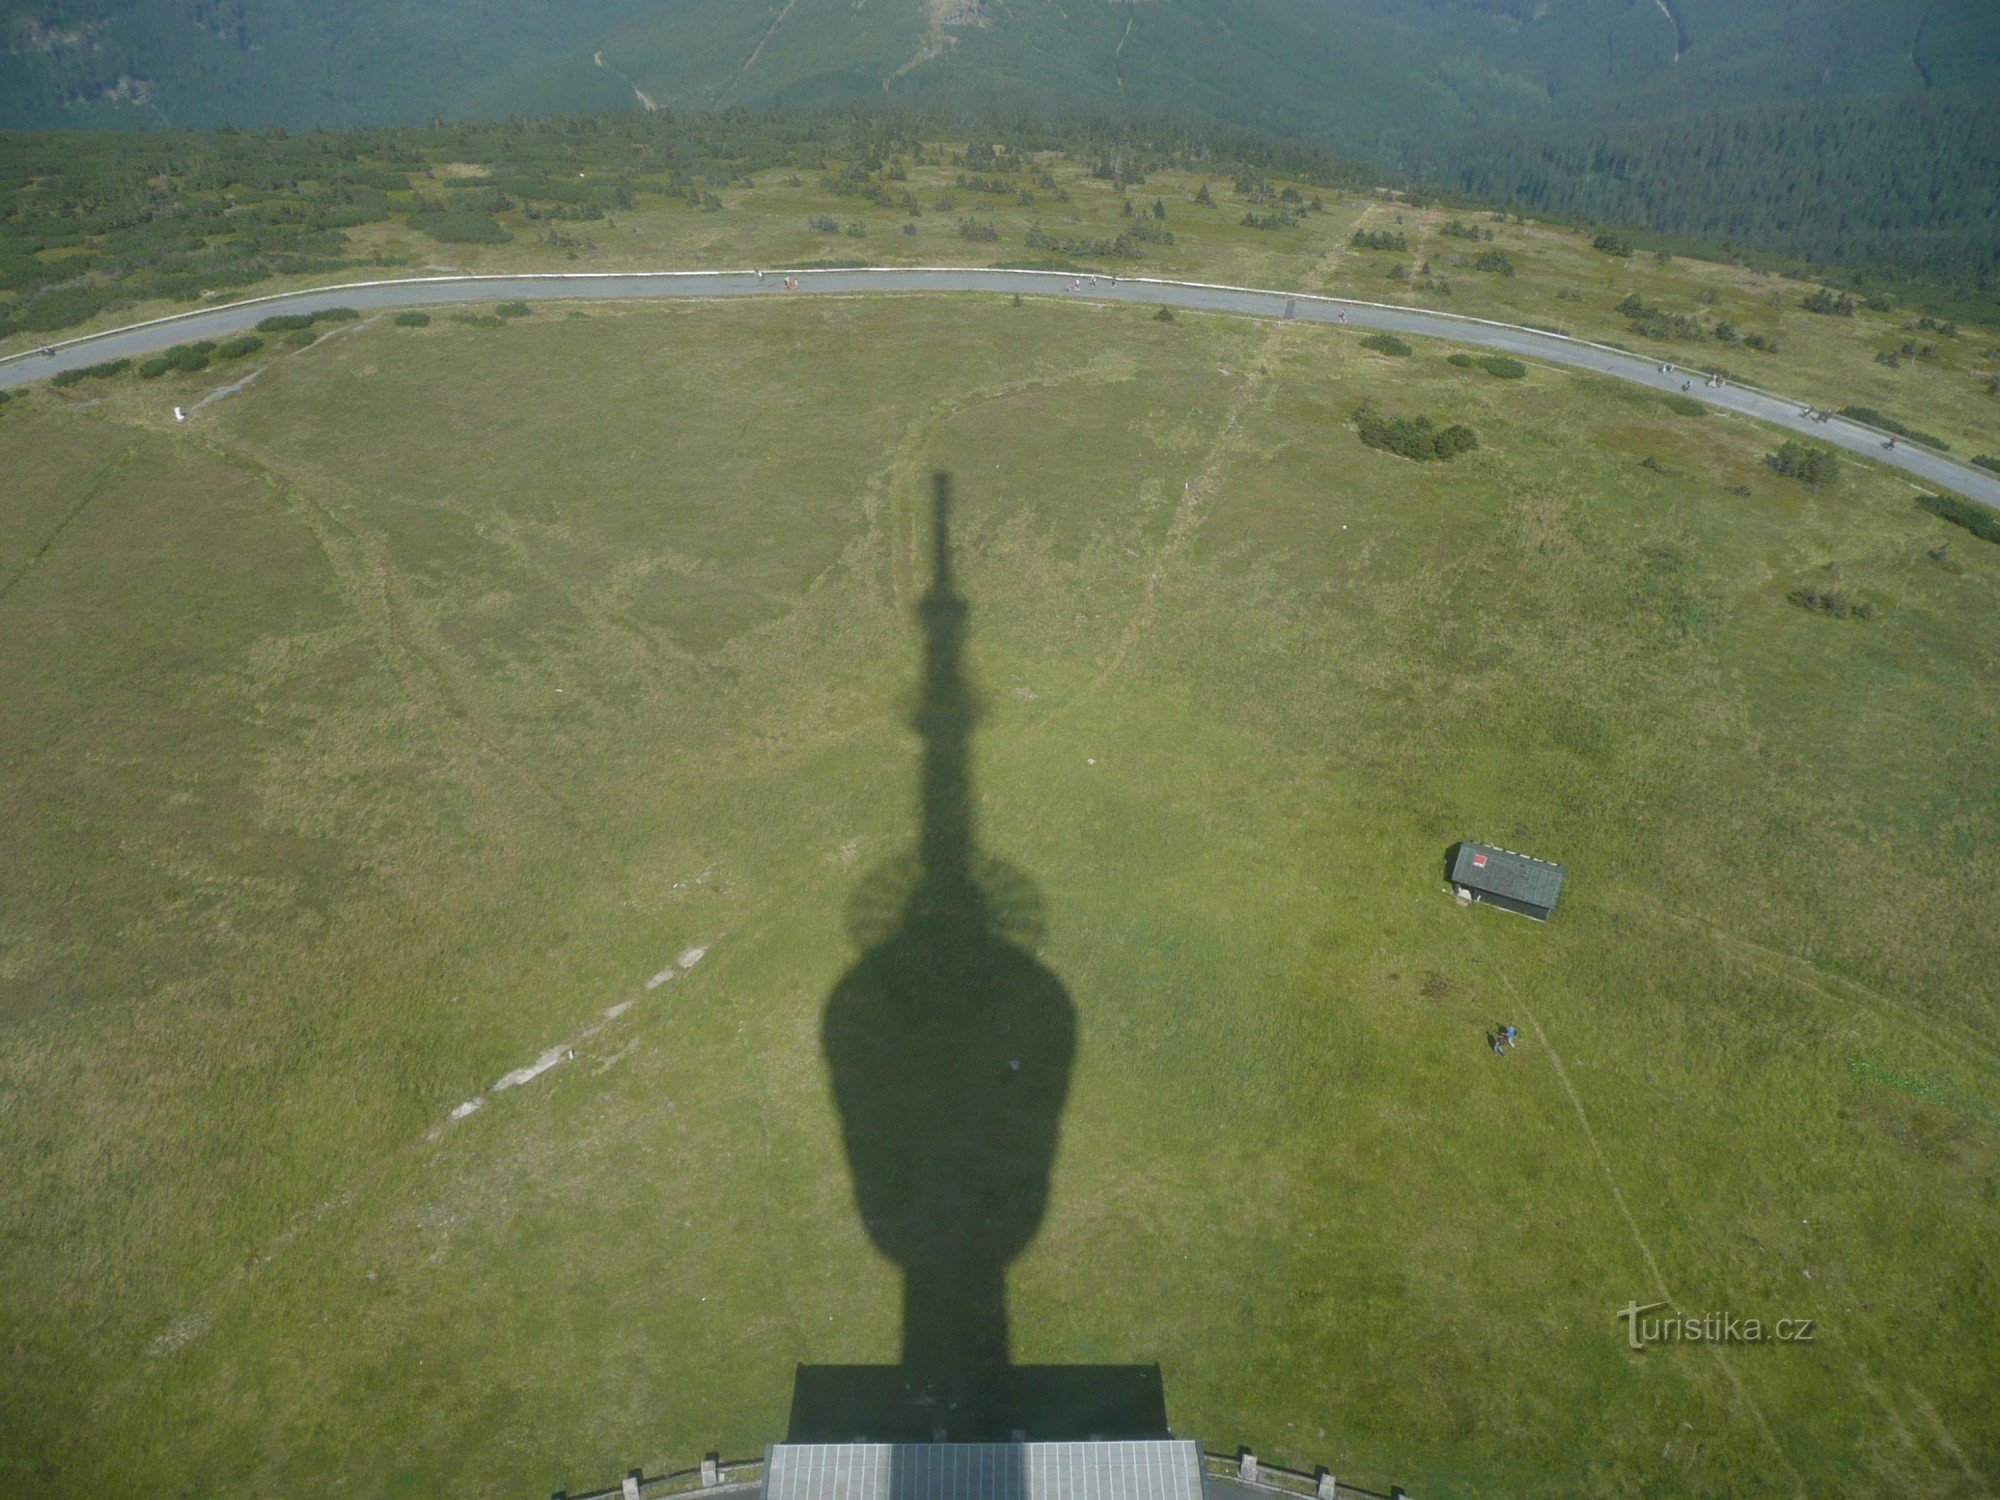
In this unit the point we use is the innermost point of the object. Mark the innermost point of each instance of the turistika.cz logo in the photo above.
(1672, 1327)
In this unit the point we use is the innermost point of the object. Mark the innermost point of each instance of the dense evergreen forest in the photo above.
(1891, 185)
(1853, 135)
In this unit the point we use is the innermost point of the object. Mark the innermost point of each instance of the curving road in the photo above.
(1194, 296)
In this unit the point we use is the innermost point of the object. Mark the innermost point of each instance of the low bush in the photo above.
(413, 320)
(1380, 239)
(1831, 601)
(1495, 261)
(1387, 343)
(335, 315)
(236, 348)
(1803, 461)
(1164, 315)
(1463, 361)
(101, 371)
(1833, 304)
(285, 323)
(513, 310)
(1502, 366)
(1977, 519)
(1685, 406)
(1417, 438)
(1987, 461)
(185, 358)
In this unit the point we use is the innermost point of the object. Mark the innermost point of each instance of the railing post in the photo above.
(711, 1470)
(1246, 1466)
(629, 1488)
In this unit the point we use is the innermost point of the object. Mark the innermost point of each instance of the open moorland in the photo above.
(517, 713)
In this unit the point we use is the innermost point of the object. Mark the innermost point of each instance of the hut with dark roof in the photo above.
(1502, 878)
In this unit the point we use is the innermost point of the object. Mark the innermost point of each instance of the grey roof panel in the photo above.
(1145, 1470)
(1502, 872)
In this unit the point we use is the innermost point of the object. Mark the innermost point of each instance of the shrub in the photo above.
(285, 323)
(242, 344)
(300, 338)
(1502, 366)
(186, 358)
(1831, 601)
(823, 224)
(1977, 519)
(1387, 343)
(981, 231)
(1685, 406)
(1987, 461)
(413, 320)
(1463, 361)
(1495, 261)
(101, 371)
(1803, 461)
(1611, 244)
(1417, 438)
(513, 310)
(1833, 304)
(1380, 239)
(335, 315)
(1164, 315)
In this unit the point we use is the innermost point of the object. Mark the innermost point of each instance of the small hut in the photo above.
(1502, 878)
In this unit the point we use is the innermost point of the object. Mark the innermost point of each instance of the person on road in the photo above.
(1890, 444)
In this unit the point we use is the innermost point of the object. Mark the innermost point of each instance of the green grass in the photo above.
(398, 718)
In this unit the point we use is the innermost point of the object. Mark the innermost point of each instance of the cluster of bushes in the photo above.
(1977, 519)
(1831, 601)
(513, 310)
(1380, 239)
(1987, 461)
(981, 231)
(1658, 322)
(1760, 341)
(1453, 229)
(1125, 247)
(1833, 304)
(299, 322)
(1612, 244)
(101, 371)
(1493, 364)
(1277, 218)
(413, 320)
(185, 359)
(1417, 438)
(1888, 423)
(1804, 461)
(1386, 343)
(1496, 261)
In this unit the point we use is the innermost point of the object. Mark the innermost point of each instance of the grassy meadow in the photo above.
(457, 698)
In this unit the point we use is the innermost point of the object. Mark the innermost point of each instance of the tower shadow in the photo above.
(950, 1046)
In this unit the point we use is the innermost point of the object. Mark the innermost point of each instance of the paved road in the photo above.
(1526, 343)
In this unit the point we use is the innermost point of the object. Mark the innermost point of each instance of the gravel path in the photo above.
(1504, 338)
